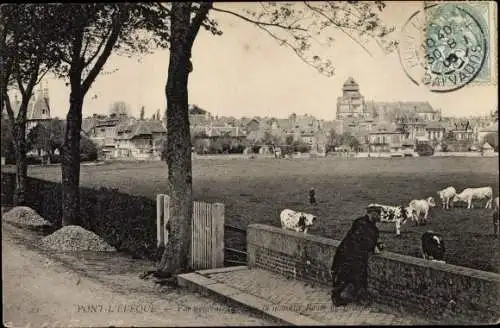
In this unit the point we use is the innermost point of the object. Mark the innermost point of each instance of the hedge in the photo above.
(124, 221)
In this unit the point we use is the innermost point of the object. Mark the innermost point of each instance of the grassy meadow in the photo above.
(256, 190)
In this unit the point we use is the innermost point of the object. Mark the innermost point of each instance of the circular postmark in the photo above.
(443, 47)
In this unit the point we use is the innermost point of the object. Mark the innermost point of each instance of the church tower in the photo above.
(352, 104)
(39, 107)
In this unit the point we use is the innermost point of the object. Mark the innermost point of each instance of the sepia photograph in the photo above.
(284, 163)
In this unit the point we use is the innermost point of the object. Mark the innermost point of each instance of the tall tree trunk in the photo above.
(177, 253)
(70, 161)
(21, 164)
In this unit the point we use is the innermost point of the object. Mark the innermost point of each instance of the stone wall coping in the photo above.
(410, 260)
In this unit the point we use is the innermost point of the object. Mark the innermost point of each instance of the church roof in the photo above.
(38, 106)
(40, 109)
(350, 81)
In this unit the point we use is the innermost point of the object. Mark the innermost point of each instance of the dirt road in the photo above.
(41, 292)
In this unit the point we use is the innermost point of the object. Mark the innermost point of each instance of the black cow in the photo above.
(433, 246)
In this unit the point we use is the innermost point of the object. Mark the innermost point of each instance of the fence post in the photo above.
(217, 235)
(160, 236)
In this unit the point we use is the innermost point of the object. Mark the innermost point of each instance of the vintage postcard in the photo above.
(249, 163)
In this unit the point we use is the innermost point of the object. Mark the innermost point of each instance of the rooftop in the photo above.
(129, 131)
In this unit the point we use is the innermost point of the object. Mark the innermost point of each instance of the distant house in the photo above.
(140, 140)
(435, 131)
(385, 138)
(308, 136)
(414, 129)
(104, 132)
(320, 140)
(463, 134)
(233, 132)
(336, 125)
(425, 112)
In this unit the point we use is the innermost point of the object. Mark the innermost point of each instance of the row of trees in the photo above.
(74, 41)
(46, 138)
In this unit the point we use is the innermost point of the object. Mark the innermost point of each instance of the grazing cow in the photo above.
(296, 221)
(421, 206)
(432, 246)
(393, 214)
(446, 195)
(469, 194)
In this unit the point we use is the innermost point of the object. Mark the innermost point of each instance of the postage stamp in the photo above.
(446, 46)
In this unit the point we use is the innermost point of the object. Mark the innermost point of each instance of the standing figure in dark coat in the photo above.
(312, 197)
(350, 263)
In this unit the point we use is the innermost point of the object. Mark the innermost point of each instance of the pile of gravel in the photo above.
(25, 216)
(75, 238)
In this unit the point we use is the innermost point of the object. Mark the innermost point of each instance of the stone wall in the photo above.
(435, 289)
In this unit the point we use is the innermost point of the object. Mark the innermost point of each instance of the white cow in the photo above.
(421, 206)
(445, 195)
(296, 221)
(468, 194)
(393, 214)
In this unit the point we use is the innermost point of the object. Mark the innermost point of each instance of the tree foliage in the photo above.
(333, 139)
(303, 26)
(47, 136)
(95, 30)
(29, 36)
(270, 139)
(492, 139)
(347, 139)
(297, 26)
(7, 140)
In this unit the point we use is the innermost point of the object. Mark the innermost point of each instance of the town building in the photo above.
(140, 140)
(104, 132)
(351, 105)
(385, 138)
(435, 132)
(38, 110)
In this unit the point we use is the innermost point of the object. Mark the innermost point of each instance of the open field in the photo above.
(255, 191)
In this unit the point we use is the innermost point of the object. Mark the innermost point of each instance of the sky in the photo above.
(244, 72)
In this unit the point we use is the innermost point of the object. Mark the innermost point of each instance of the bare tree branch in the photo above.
(290, 27)
(43, 73)
(198, 19)
(62, 55)
(27, 92)
(99, 47)
(19, 78)
(85, 48)
(285, 42)
(110, 43)
(315, 9)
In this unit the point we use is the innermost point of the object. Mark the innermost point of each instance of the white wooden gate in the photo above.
(207, 233)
